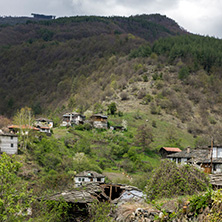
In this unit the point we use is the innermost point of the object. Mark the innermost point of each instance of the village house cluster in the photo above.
(208, 158)
(9, 137)
(99, 121)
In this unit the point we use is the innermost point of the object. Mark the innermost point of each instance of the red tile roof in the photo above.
(22, 127)
(172, 149)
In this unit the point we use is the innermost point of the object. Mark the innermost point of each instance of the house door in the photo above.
(207, 168)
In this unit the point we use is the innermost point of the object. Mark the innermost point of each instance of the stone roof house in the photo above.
(43, 122)
(207, 158)
(72, 118)
(99, 121)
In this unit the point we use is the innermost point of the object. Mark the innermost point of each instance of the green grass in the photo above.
(101, 142)
(160, 132)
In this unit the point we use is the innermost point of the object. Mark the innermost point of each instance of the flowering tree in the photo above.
(24, 119)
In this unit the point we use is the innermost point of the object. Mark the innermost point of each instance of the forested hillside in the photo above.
(145, 63)
(43, 63)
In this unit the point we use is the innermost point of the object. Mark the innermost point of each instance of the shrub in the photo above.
(128, 166)
(183, 73)
(100, 212)
(171, 179)
(216, 209)
(147, 99)
(144, 137)
(155, 76)
(112, 108)
(154, 124)
(124, 96)
(145, 78)
(141, 94)
(199, 202)
(154, 109)
(86, 126)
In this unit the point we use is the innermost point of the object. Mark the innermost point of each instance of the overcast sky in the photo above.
(197, 16)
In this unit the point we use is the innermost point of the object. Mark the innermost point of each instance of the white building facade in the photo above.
(8, 143)
(87, 177)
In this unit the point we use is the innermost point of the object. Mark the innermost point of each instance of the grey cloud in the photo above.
(26, 7)
(122, 7)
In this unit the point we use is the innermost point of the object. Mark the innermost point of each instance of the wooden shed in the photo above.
(164, 151)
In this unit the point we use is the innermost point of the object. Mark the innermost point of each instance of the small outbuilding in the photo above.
(164, 151)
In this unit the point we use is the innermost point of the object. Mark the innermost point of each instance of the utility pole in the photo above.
(211, 155)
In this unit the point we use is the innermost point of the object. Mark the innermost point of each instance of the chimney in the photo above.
(188, 149)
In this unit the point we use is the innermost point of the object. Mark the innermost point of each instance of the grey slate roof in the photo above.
(214, 160)
(90, 174)
(41, 119)
(7, 134)
(73, 114)
(90, 192)
(76, 196)
(100, 115)
(197, 154)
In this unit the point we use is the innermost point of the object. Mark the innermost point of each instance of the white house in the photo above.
(72, 118)
(87, 177)
(43, 122)
(8, 143)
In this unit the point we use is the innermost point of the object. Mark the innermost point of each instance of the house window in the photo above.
(98, 179)
(214, 152)
(12, 144)
(83, 179)
(79, 179)
(11, 137)
(219, 153)
(179, 160)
